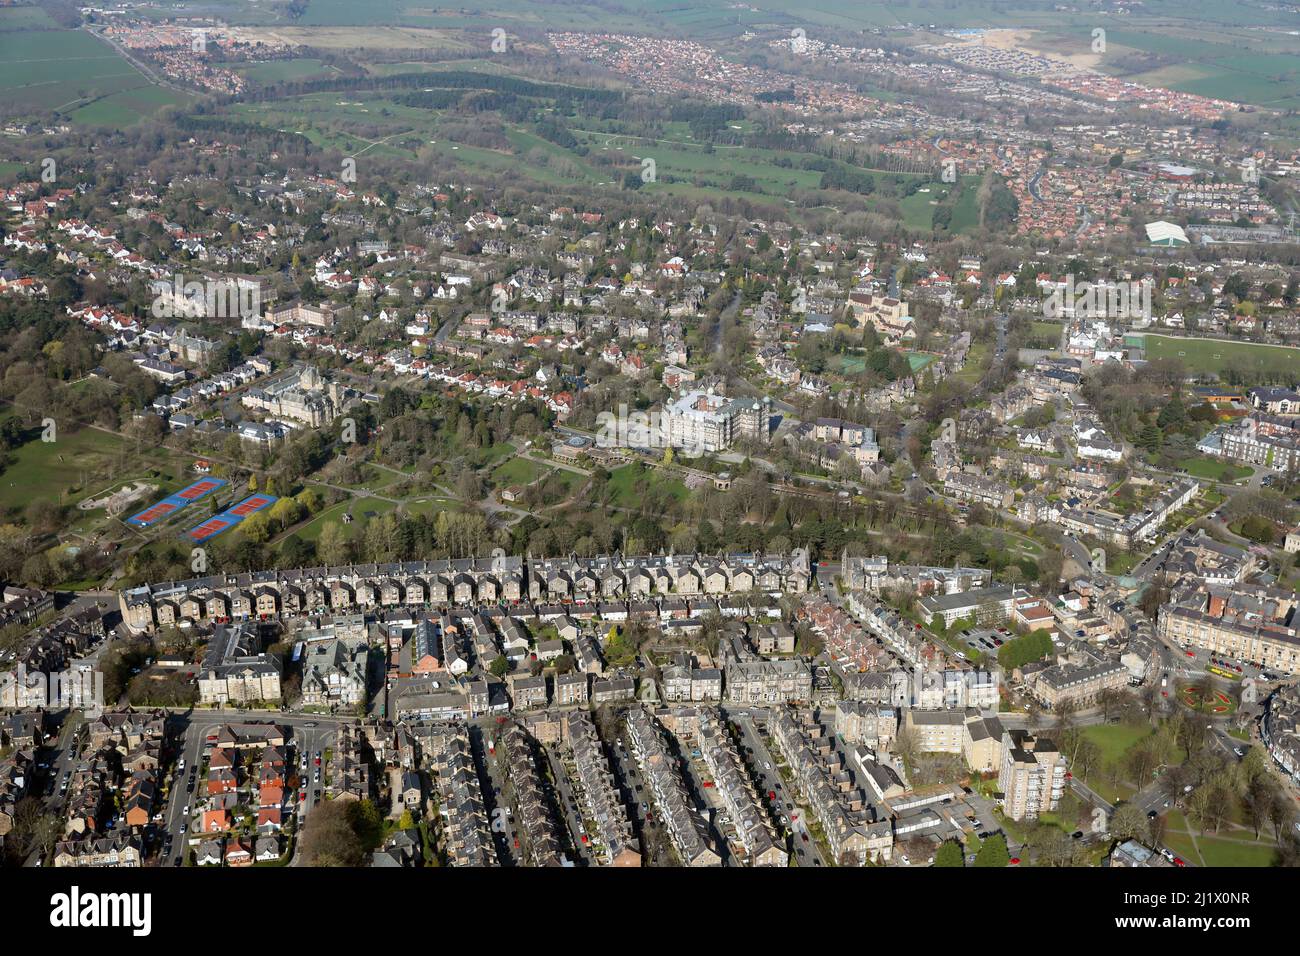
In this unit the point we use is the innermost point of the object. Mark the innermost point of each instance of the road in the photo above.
(806, 852)
(201, 723)
(570, 807)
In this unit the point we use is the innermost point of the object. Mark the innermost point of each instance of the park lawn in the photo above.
(429, 506)
(1115, 740)
(517, 471)
(571, 480)
(1212, 469)
(1045, 335)
(976, 363)
(492, 454)
(1216, 851)
(80, 464)
(1180, 843)
(359, 508)
(622, 484)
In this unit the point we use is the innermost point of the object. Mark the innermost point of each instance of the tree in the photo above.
(500, 666)
(256, 527)
(1054, 846)
(993, 852)
(328, 838)
(333, 545)
(1128, 823)
(1142, 762)
(950, 854)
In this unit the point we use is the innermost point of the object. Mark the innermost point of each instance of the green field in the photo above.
(918, 208)
(706, 19)
(43, 68)
(1212, 469)
(517, 471)
(1114, 740)
(78, 465)
(279, 71)
(361, 510)
(1215, 355)
(1233, 64)
(623, 494)
(1045, 335)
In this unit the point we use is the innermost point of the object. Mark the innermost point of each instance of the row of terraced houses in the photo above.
(270, 594)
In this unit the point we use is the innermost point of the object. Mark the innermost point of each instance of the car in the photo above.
(1077, 835)
(1167, 804)
(1238, 751)
(767, 765)
(1014, 861)
(1167, 854)
(1178, 861)
(804, 836)
(186, 811)
(185, 827)
(177, 862)
(1191, 653)
(644, 806)
(189, 788)
(1152, 814)
(1188, 789)
(906, 861)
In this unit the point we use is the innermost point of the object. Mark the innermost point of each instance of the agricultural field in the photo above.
(1219, 64)
(1276, 362)
(706, 20)
(280, 71)
(71, 72)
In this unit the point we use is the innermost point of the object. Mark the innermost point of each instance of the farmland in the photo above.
(70, 72)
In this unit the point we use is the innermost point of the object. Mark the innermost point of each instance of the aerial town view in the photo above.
(796, 434)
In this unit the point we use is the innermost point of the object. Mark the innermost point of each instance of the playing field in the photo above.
(75, 464)
(1276, 362)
